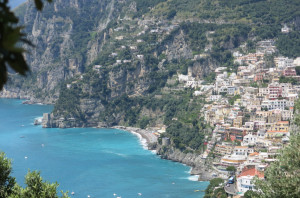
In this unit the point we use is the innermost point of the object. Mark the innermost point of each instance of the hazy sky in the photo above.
(15, 3)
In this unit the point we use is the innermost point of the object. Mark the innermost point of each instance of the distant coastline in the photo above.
(149, 141)
(147, 137)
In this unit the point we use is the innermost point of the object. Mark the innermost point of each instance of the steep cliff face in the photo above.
(199, 166)
(63, 43)
(102, 62)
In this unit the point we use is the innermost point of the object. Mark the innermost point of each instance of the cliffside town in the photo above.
(251, 111)
(215, 81)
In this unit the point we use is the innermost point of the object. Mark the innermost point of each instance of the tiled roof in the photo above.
(251, 172)
(254, 153)
(241, 147)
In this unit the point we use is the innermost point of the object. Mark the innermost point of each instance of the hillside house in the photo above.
(245, 179)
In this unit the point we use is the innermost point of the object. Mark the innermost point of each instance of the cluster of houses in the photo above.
(250, 110)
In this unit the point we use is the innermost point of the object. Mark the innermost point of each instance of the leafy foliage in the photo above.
(284, 79)
(213, 191)
(36, 187)
(289, 44)
(143, 6)
(7, 182)
(11, 54)
(282, 177)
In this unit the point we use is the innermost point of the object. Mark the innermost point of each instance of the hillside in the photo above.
(106, 63)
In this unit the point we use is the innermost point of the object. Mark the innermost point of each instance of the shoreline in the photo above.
(147, 138)
(149, 141)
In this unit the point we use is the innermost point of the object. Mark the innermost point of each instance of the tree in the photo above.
(282, 178)
(36, 187)
(214, 189)
(251, 194)
(7, 182)
(11, 37)
(231, 168)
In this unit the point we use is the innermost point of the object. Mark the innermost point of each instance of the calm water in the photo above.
(95, 162)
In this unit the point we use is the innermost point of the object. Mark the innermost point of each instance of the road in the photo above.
(230, 189)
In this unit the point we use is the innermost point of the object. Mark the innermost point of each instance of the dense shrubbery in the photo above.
(284, 79)
(185, 136)
(289, 44)
(213, 191)
(143, 6)
(35, 186)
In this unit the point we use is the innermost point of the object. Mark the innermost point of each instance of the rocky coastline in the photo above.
(199, 166)
(195, 161)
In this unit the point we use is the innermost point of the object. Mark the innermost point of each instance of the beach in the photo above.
(146, 136)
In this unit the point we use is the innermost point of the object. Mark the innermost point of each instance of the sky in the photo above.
(14, 3)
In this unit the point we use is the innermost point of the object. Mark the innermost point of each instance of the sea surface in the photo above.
(89, 161)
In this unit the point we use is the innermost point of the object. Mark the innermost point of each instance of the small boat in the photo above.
(25, 157)
(196, 190)
(72, 193)
(140, 194)
(114, 194)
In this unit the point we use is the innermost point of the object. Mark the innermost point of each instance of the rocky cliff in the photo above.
(108, 62)
(199, 165)
(90, 55)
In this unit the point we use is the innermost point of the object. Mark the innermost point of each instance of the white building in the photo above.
(249, 139)
(283, 62)
(231, 90)
(276, 104)
(214, 98)
(245, 179)
(242, 150)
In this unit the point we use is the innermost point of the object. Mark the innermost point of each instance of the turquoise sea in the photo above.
(88, 161)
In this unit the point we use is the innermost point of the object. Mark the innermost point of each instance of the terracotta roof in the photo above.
(252, 172)
(254, 153)
(283, 122)
(241, 147)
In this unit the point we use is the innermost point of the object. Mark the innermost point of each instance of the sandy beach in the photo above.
(148, 136)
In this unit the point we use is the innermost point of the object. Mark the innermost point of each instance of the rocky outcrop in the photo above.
(178, 49)
(57, 34)
(203, 67)
(14, 93)
(199, 166)
(50, 121)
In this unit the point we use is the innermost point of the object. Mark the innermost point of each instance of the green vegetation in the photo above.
(284, 79)
(196, 34)
(239, 11)
(233, 99)
(11, 54)
(35, 186)
(231, 168)
(251, 194)
(282, 177)
(143, 6)
(215, 189)
(289, 44)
